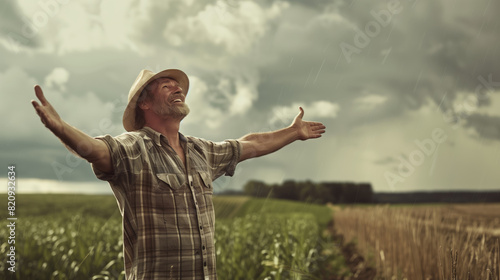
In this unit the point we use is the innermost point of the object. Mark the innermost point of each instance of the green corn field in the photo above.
(79, 237)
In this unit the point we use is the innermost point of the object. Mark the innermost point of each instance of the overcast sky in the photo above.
(409, 90)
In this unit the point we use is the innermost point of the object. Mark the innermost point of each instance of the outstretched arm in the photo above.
(259, 144)
(93, 150)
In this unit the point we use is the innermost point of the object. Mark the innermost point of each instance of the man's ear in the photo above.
(143, 105)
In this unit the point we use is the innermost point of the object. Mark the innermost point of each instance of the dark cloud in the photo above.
(13, 27)
(484, 125)
(429, 55)
(44, 160)
(432, 49)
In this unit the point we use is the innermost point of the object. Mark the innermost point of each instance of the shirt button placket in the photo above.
(202, 236)
(203, 252)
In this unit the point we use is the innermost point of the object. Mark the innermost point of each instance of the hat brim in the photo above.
(130, 112)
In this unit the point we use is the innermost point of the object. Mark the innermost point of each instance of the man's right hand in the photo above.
(48, 115)
(93, 150)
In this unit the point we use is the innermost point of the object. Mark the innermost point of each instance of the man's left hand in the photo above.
(307, 130)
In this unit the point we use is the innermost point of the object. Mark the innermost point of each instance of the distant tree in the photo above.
(256, 189)
(231, 192)
(365, 193)
(287, 190)
(356, 193)
(335, 190)
(323, 194)
(308, 191)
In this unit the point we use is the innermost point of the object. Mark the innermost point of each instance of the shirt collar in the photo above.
(154, 135)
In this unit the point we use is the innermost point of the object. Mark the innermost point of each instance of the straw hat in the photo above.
(144, 78)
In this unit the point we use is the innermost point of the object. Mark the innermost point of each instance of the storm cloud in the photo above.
(379, 74)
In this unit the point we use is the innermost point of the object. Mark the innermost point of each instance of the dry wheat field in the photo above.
(447, 241)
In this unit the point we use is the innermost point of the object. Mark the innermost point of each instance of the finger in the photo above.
(35, 104)
(319, 126)
(316, 125)
(39, 94)
(301, 113)
(38, 109)
(318, 130)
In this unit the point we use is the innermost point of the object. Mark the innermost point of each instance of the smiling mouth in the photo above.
(177, 101)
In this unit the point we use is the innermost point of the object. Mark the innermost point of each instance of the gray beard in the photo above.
(171, 111)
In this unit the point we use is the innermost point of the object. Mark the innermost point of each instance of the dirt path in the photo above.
(354, 260)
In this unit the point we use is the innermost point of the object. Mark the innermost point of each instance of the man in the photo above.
(161, 179)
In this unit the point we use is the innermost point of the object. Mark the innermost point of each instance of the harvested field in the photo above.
(459, 241)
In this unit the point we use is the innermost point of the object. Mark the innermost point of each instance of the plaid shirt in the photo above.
(168, 214)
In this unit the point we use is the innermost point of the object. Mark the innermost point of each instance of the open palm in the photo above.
(48, 115)
(305, 129)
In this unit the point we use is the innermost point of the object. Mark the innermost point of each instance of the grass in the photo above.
(226, 207)
(281, 237)
(79, 237)
(261, 206)
(39, 205)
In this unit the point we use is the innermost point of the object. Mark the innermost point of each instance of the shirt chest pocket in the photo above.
(203, 182)
(170, 196)
(168, 182)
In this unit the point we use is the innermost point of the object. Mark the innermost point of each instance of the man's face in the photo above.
(168, 99)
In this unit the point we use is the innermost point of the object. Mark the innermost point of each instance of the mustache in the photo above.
(177, 96)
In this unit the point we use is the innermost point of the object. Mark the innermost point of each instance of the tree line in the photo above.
(307, 191)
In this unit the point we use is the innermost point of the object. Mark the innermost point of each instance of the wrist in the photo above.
(294, 132)
(60, 130)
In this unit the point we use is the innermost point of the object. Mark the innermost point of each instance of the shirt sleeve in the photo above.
(223, 157)
(125, 159)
